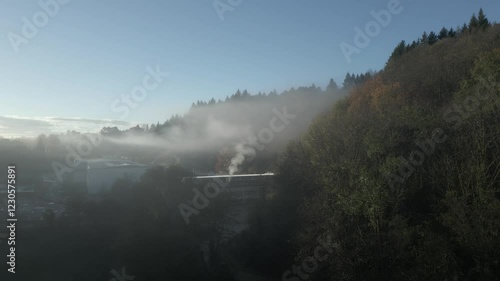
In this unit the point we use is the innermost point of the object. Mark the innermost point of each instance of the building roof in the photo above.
(235, 176)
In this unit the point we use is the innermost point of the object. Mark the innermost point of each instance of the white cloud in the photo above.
(21, 126)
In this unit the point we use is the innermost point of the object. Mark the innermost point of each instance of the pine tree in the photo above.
(464, 29)
(399, 50)
(432, 39)
(424, 37)
(482, 21)
(237, 94)
(473, 23)
(452, 33)
(443, 33)
(332, 87)
(157, 128)
(411, 46)
(347, 80)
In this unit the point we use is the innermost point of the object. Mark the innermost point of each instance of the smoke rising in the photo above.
(242, 151)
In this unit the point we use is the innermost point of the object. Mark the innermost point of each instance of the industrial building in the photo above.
(240, 187)
(97, 176)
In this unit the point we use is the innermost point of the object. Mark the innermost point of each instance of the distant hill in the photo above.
(211, 133)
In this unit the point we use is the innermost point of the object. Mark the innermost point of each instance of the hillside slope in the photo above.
(404, 174)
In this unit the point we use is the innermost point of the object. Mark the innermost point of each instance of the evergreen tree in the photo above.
(452, 33)
(411, 46)
(473, 23)
(424, 37)
(464, 29)
(157, 128)
(482, 21)
(273, 93)
(443, 33)
(348, 80)
(432, 39)
(399, 50)
(332, 87)
(237, 95)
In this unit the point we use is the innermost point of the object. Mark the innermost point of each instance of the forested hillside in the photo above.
(403, 175)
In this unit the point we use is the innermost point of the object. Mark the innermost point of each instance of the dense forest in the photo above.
(395, 174)
(403, 174)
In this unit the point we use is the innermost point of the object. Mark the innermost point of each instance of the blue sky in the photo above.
(92, 52)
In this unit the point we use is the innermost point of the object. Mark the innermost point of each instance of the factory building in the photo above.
(240, 188)
(97, 176)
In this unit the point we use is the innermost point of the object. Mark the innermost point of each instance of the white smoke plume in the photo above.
(242, 151)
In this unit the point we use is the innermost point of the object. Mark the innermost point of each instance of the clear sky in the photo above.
(91, 52)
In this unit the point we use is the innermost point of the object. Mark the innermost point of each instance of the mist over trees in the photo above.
(208, 134)
(399, 169)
